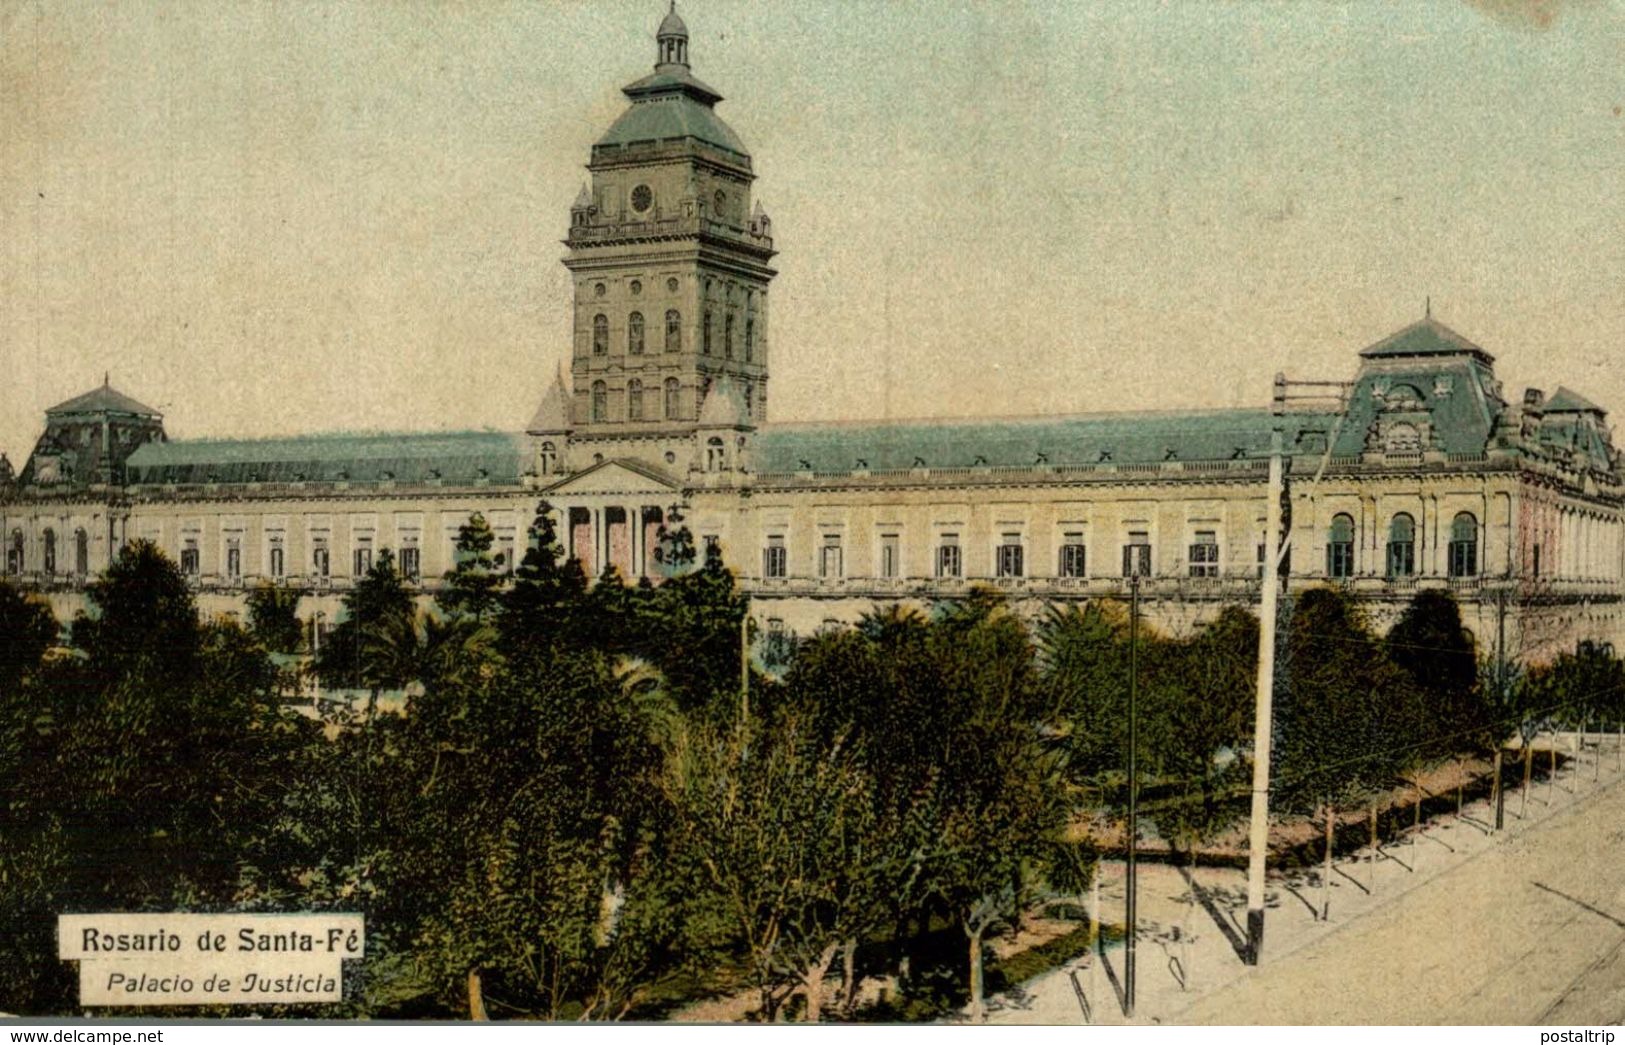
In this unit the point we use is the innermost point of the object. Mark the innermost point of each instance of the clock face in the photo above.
(642, 198)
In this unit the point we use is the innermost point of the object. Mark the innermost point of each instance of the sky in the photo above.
(277, 218)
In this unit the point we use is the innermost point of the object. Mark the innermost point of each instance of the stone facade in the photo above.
(1417, 472)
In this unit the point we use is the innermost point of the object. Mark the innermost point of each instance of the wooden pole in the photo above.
(1259, 827)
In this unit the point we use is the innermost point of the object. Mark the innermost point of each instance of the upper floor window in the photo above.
(547, 459)
(1464, 545)
(714, 454)
(362, 559)
(81, 552)
(705, 333)
(674, 330)
(634, 400)
(411, 560)
(600, 335)
(1137, 554)
(829, 557)
(634, 334)
(600, 402)
(891, 547)
(1340, 546)
(1072, 562)
(275, 555)
(319, 561)
(14, 554)
(949, 563)
(775, 557)
(189, 557)
(50, 552)
(1402, 546)
(234, 558)
(728, 336)
(1010, 560)
(1204, 554)
(750, 339)
(673, 398)
(750, 400)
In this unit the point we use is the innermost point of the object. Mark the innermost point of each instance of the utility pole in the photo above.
(1133, 785)
(1263, 716)
(1501, 701)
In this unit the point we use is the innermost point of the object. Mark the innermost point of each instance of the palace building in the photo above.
(1419, 473)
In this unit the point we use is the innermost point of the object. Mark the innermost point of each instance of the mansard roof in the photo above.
(103, 399)
(671, 107)
(1428, 337)
(1089, 439)
(449, 458)
(1568, 401)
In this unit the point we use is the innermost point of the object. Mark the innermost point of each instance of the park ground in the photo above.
(1452, 924)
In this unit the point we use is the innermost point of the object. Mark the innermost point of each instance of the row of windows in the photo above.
(637, 340)
(1009, 556)
(17, 562)
(638, 408)
(1400, 558)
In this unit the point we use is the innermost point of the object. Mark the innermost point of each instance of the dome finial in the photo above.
(671, 40)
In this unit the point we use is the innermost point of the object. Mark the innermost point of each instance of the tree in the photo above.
(273, 617)
(1431, 645)
(472, 585)
(541, 609)
(378, 606)
(27, 630)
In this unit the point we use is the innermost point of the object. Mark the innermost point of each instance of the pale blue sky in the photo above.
(304, 217)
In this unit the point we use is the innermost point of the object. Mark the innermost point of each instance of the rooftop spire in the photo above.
(671, 40)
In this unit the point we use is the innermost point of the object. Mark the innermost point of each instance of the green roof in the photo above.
(104, 399)
(451, 458)
(1426, 338)
(670, 117)
(1138, 438)
(1566, 401)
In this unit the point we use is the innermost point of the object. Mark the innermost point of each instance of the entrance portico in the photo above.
(611, 514)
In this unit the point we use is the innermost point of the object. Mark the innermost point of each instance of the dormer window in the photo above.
(715, 454)
(547, 459)
(1403, 439)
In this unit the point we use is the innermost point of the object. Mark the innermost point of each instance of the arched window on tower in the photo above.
(705, 332)
(714, 454)
(728, 336)
(673, 392)
(50, 552)
(600, 402)
(547, 460)
(1402, 546)
(634, 400)
(750, 339)
(1340, 546)
(81, 553)
(674, 330)
(600, 335)
(1464, 545)
(634, 334)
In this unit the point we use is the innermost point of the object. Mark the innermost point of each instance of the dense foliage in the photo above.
(587, 801)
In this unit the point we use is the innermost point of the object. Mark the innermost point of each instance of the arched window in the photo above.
(705, 333)
(14, 554)
(634, 334)
(50, 552)
(600, 402)
(1402, 546)
(673, 391)
(276, 556)
(634, 400)
(1464, 545)
(714, 454)
(1340, 546)
(81, 552)
(1403, 439)
(674, 330)
(750, 339)
(728, 336)
(547, 460)
(600, 335)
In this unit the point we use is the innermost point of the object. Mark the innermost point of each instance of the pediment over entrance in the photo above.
(615, 477)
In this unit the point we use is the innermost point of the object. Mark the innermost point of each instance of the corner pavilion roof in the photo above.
(451, 458)
(102, 399)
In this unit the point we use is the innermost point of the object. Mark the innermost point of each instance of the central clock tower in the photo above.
(669, 259)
